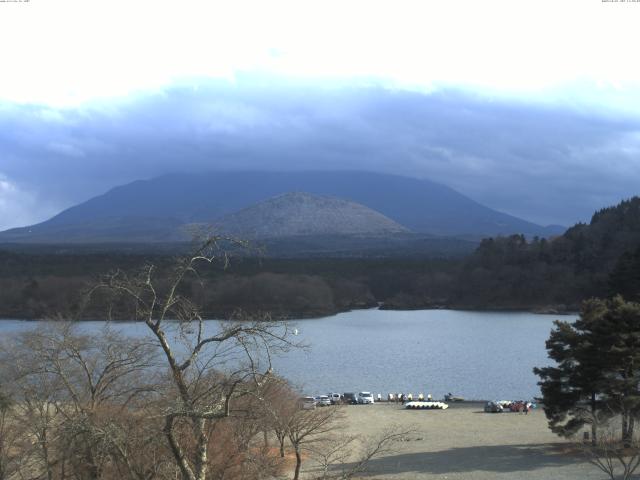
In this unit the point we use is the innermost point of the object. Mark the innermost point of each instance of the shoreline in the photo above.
(316, 316)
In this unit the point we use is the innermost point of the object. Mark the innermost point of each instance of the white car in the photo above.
(323, 401)
(335, 398)
(307, 403)
(365, 398)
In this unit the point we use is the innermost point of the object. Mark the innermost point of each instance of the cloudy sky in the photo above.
(532, 108)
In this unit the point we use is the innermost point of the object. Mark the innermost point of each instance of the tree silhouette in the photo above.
(598, 368)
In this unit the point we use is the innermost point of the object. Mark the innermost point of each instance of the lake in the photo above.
(478, 355)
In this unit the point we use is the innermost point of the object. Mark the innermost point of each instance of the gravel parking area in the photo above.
(463, 442)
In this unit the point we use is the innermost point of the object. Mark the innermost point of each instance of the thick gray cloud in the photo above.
(544, 163)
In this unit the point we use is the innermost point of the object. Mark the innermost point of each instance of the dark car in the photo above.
(450, 397)
(350, 398)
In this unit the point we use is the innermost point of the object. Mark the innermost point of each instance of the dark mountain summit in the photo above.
(163, 204)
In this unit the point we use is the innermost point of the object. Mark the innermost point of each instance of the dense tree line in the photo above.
(589, 260)
(47, 285)
(513, 272)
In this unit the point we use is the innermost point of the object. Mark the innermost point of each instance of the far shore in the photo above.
(546, 310)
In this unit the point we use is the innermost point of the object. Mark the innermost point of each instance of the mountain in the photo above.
(299, 213)
(163, 204)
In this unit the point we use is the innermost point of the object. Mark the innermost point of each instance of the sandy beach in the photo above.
(463, 442)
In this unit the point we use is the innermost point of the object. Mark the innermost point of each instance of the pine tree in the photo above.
(616, 332)
(598, 368)
(571, 390)
(625, 277)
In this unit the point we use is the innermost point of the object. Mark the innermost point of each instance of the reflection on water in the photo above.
(479, 355)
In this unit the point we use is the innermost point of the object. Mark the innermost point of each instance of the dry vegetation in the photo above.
(183, 400)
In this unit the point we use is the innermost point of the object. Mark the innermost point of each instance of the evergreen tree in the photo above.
(598, 368)
(625, 277)
(616, 332)
(571, 391)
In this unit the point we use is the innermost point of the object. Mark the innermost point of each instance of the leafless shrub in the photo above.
(11, 438)
(345, 457)
(615, 456)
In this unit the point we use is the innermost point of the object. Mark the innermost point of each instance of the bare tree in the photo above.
(36, 415)
(279, 405)
(208, 368)
(328, 455)
(307, 428)
(72, 393)
(238, 452)
(318, 433)
(185, 400)
(335, 458)
(615, 454)
(39, 394)
(10, 436)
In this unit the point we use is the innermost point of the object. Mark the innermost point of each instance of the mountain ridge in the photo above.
(420, 205)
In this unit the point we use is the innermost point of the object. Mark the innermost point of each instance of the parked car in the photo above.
(335, 398)
(450, 397)
(365, 398)
(350, 398)
(323, 400)
(493, 407)
(307, 403)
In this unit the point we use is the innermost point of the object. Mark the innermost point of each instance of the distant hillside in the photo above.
(299, 213)
(104, 230)
(164, 204)
(588, 260)
(316, 275)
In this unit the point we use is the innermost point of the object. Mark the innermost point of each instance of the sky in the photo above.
(531, 108)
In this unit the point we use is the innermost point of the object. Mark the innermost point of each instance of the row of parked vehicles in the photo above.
(348, 398)
(499, 406)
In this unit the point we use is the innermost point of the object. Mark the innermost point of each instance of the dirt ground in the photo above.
(463, 442)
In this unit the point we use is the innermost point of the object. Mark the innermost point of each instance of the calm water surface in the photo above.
(479, 355)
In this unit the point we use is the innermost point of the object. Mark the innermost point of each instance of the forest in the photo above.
(513, 272)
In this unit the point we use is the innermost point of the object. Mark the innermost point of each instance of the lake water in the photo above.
(478, 355)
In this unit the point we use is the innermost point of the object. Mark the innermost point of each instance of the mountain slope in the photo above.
(420, 205)
(299, 213)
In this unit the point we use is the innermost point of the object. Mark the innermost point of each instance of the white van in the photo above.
(335, 398)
